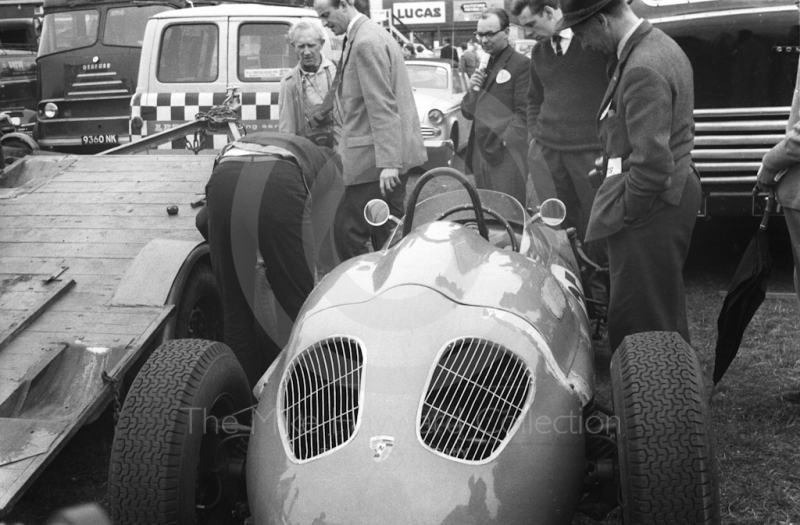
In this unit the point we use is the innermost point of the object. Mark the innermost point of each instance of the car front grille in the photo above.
(475, 396)
(428, 132)
(321, 397)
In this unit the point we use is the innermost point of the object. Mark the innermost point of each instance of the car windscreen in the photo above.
(433, 207)
(189, 54)
(63, 31)
(265, 53)
(427, 77)
(741, 58)
(125, 25)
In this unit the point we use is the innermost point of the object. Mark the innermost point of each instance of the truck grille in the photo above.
(476, 394)
(729, 143)
(321, 397)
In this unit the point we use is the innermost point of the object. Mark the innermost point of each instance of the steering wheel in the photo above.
(502, 220)
(450, 172)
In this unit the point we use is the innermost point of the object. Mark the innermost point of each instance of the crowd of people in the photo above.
(600, 116)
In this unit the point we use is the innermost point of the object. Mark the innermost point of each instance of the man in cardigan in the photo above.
(381, 135)
(647, 205)
(496, 103)
(304, 89)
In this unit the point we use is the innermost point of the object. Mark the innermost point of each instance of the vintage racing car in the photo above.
(448, 378)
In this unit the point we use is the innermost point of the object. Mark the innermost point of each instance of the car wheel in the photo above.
(178, 451)
(665, 444)
(199, 314)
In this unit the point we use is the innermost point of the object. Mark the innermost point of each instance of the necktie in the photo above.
(557, 44)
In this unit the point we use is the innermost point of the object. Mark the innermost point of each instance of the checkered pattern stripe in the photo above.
(169, 108)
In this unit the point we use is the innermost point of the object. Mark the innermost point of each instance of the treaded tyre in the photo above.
(199, 312)
(667, 466)
(171, 458)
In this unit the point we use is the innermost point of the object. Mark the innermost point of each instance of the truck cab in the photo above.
(192, 58)
(88, 62)
(744, 54)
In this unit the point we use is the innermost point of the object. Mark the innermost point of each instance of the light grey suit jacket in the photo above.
(380, 127)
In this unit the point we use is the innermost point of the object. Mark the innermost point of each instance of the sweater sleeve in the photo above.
(535, 98)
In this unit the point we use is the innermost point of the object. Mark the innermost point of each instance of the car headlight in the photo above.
(435, 116)
(50, 110)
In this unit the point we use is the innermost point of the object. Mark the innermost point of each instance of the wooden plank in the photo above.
(70, 209)
(192, 173)
(80, 325)
(46, 266)
(183, 221)
(160, 164)
(31, 315)
(76, 302)
(109, 198)
(71, 250)
(19, 283)
(25, 236)
(191, 188)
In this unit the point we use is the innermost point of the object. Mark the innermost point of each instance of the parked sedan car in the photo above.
(438, 90)
(446, 379)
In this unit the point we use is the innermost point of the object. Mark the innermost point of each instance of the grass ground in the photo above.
(757, 430)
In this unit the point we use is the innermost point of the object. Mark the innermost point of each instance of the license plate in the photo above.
(88, 140)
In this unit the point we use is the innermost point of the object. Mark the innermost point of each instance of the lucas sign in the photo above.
(419, 12)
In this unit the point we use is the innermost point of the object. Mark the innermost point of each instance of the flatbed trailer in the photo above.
(92, 276)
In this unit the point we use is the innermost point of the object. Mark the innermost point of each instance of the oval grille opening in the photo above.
(321, 397)
(476, 393)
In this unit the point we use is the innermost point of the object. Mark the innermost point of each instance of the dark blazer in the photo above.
(499, 111)
(450, 52)
(785, 155)
(646, 119)
(380, 126)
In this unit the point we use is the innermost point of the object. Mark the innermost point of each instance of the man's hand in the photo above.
(598, 174)
(477, 79)
(390, 177)
(766, 179)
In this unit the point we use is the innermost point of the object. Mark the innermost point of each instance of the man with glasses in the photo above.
(647, 205)
(496, 102)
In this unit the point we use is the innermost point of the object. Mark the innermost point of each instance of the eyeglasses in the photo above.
(488, 34)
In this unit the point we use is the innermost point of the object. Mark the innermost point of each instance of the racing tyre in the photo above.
(665, 444)
(178, 451)
(199, 314)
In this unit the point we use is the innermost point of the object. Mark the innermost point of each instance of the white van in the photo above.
(191, 57)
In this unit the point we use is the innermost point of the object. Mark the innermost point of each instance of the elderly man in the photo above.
(647, 205)
(496, 103)
(381, 135)
(306, 109)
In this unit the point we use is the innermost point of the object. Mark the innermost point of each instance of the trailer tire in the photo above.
(665, 445)
(164, 452)
(199, 314)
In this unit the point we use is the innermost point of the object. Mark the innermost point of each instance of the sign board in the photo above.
(416, 13)
(470, 10)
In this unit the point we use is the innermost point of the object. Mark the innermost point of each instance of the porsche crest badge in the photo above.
(381, 447)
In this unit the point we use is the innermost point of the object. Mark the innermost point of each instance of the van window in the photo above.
(746, 60)
(265, 53)
(125, 25)
(189, 54)
(63, 31)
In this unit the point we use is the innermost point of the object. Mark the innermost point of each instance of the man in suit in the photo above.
(381, 135)
(647, 205)
(780, 170)
(448, 51)
(496, 103)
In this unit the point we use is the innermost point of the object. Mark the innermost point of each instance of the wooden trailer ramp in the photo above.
(71, 228)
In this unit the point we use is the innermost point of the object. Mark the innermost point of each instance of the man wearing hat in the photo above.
(648, 202)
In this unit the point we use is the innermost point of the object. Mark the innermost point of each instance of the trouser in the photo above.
(646, 261)
(793, 224)
(352, 232)
(258, 204)
(506, 177)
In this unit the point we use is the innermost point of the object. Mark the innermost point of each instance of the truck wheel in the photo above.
(665, 446)
(199, 314)
(178, 451)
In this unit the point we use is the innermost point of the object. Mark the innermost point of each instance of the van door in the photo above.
(187, 75)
